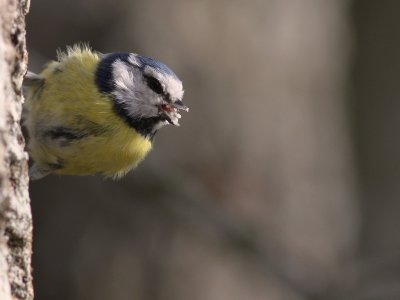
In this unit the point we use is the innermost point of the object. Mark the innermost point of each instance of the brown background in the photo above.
(281, 183)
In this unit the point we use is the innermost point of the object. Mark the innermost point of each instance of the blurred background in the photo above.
(282, 181)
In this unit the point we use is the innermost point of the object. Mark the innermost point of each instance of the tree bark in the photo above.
(15, 212)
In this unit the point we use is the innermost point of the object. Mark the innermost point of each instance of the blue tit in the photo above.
(92, 113)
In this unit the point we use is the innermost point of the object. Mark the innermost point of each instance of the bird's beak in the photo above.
(179, 105)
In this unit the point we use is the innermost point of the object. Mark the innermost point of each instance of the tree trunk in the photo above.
(15, 213)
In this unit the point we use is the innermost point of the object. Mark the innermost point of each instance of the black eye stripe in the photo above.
(154, 84)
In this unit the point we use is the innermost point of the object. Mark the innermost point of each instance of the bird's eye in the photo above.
(154, 85)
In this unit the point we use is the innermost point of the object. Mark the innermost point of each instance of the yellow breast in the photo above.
(112, 155)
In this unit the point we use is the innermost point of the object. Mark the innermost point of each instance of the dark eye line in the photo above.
(154, 85)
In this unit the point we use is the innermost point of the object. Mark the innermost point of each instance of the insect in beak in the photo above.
(169, 111)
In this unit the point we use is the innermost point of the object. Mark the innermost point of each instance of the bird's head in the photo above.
(146, 93)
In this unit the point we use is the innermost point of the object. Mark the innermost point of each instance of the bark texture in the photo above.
(15, 213)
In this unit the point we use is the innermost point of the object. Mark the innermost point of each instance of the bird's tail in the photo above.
(32, 79)
(36, 172)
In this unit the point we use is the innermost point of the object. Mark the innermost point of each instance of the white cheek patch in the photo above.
(123, 76)
(132, 92)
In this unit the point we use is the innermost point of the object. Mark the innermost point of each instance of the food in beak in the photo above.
(170, 111)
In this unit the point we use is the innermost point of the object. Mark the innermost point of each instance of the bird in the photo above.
(92, 113)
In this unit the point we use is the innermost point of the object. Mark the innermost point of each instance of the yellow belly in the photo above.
(110, 155)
